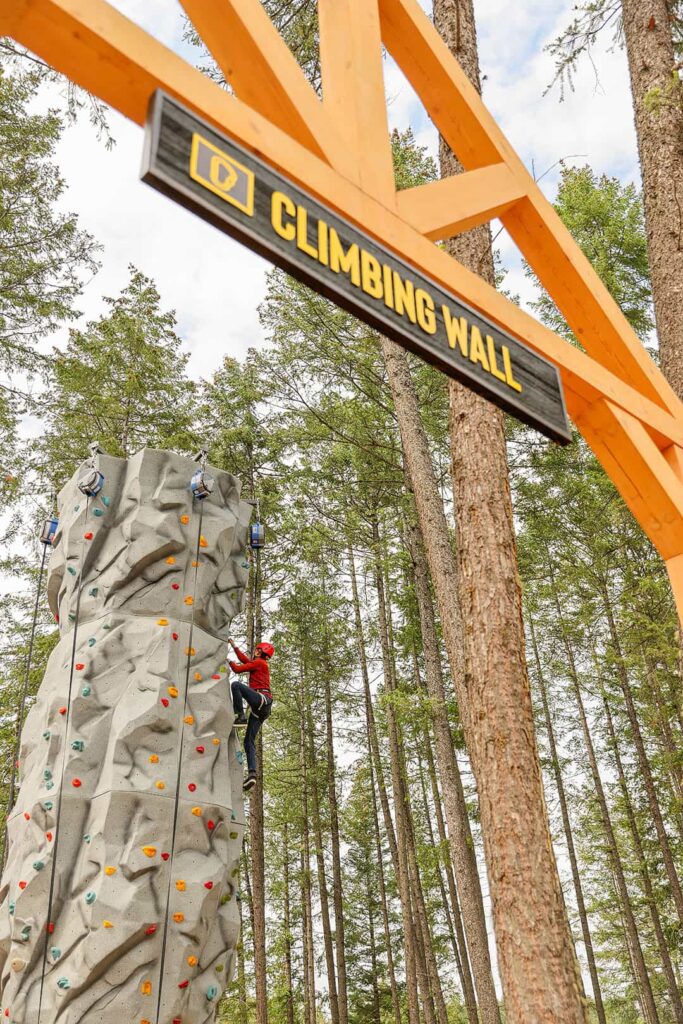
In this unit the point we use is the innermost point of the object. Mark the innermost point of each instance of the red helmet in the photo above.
(266, 649)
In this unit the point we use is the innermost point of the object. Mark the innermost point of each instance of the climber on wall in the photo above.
(257, 695)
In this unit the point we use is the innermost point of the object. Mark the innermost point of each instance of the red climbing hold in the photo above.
(183, 984)
(191, 786)
(174, 635)
(211, 825)
(88, 536)
(51, 927)
(177, 1020)
(76, 783)
(200, 750)
(80, 666)
(27, 815)
(48, 836)
(215, 677)
(151, 930)
(62, 711)
(176, 586)
(165, 856)
(22, 885)
(164, 702)
(208, 885)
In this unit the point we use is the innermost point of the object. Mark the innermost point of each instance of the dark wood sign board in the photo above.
(192, 163)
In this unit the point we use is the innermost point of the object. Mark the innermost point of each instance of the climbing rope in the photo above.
(55, 851)
(176, 800)
(24, 694)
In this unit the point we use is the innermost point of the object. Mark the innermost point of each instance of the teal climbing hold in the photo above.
(26, 933)
(49, 785)
(12, 906)
(91, 641)
(212, 992)
(77, 508)
(48, 805)
(105, 500)
(233, 816)
(38, 865)
(93, 592)
(86, 691)
(64, 983)
(240, 757)
(47, 734)
(47, 774)
(70, 569)
(98, 511)
(55, 953)
(78, 745)
(72, 616)
(106, 626)
(90, 897)
(87, 838)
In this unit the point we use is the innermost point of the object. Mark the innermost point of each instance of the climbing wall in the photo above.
(134, 889)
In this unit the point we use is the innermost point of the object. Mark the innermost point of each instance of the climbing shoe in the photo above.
(249, 782)
(241, 722)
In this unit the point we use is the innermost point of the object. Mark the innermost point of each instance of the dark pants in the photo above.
(261, 707)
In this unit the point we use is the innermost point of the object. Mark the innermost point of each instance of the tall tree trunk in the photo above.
(288, 929)
(373, 951)
(568, 833)
(306, 897)
(674, 994)
(641, 977)
(647, 26)
(670, 742)
(643, 761)
(460, 834)
(322, 879)
(241, 973)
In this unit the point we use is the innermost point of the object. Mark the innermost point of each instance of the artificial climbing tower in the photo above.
(118, 900)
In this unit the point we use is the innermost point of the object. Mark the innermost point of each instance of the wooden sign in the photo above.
(188, 160)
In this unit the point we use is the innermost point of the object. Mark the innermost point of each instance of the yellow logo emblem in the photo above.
(222, 174)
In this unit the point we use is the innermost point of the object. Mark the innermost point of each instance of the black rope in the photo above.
(176, 803)
(53, 870)
(22, 704)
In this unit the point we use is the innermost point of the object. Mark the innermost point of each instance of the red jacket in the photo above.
(258, 669)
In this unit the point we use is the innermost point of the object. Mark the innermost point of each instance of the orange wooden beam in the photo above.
(446, 207)
(458, 111)
(256, 61)
(353, 88)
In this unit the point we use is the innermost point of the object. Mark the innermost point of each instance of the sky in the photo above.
(215, 285)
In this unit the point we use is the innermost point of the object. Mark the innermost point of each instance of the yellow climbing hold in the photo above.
(160, 785)
(198, 676)
(170, 560)
(192, 961)
(162, 622)
(189, 600)
(149, 851)
(197, 811)
(110, 871)
(191, 650)
(154, 759)
(146, 988)
(216, 741)
(180, 885)
(178, 918)
(189, 719)
(203, 542)
(173, 691)
(184, 520)
(107, 924)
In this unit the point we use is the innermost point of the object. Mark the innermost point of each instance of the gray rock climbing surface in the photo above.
(134, 709)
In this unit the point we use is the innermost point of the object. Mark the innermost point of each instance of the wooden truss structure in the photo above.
(338, 148)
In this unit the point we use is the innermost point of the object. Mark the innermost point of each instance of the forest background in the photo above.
(293, 397)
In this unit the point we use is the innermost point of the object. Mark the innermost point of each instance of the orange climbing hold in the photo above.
(189, 719)
(170, 560)
(154, 759)
(107, 924)
(162, 622)
(149, 851)
(173, 691)
(180, 885)
(184, 520)
(198, 677)
(178, 918)
(146, 988)
(191, 651)
(189, 600)
(160, 785)
(110, 871)
(216, 741)
(192, 961)
(203, 542)
(197, 811)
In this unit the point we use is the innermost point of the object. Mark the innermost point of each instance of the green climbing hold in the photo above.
(64, 983)
(12, 906)
(90, 897)
(212, 992)
(106, 626)
(87, 838)
(38, 865)
(91, 641)
(86, 691)
(48, 805)
(49, 785)
(233, 835)
(47, 774)
(105, 500)
(77, 508)
(224, 899)
(98, 512)
(47, 734)
(55, 953)
(70, 569)
(78, 745)
(72, 616)
(93, 592)
(219, 968)
(233, 816)
(26, 933)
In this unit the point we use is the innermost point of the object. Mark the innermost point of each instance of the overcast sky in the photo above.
(215, 285)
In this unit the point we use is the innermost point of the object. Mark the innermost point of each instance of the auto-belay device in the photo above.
(257, 532)
(202, 484)
(92, 481)
(47, 534)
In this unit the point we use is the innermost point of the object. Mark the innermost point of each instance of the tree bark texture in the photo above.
(652, 64)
